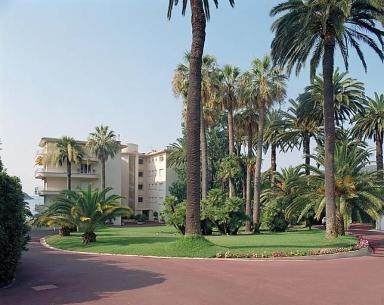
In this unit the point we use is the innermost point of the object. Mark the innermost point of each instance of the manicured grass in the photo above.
(165, 241)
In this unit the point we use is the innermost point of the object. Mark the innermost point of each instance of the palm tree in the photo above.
(229, 168)
(177, 153)
(103, 144)
(86, 209)
(357, 190)
(246, 120)
(229, 81)
(348, 98)
(299, 131)
(265, 84)
(68, 151)
(314, 27)
(274, 131)
(180, 88)
(200, 14)
(370, 124)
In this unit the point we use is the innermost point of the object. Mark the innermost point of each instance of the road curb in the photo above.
(343, 255)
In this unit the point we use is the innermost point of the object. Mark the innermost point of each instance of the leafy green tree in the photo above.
(226, 213)
(68, 151)
(13, 228)
(174, 213)
(85, 208)
(370, 124)
(229, 169)
(313, 28)
(265, 85)
(104, 145)
(357, 190)
(299, 131)
(200, 14)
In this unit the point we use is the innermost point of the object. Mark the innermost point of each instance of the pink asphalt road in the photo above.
(117, 280)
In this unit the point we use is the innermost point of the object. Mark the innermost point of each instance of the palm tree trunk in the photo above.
(231, 144)
(273, 163)
(379, 153)
(248, 195)
(307, 153)
(203, 144)
(192, 225)
(257, 182)
(329, 131)
(69, 174)
(103, 174)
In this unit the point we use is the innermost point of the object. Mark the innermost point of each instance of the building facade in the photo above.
(142, 179)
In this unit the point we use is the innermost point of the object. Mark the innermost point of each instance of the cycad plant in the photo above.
(103, 144)
(357, 190)
(87, 209)
(316, 29)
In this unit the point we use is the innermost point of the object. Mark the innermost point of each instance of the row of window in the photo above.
(153, 173)
(153, 159)
(152, 199)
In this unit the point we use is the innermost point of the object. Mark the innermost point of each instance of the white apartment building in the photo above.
(142, 179)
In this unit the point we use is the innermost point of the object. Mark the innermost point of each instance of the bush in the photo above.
(273, 217)
(227, 214)
(13, 229)
(174, 213)
(141, 218)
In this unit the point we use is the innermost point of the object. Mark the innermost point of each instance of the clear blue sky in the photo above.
(69, 65)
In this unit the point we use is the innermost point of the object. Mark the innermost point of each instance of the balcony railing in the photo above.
(42, 173)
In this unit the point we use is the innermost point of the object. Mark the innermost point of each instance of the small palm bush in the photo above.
(86, 209)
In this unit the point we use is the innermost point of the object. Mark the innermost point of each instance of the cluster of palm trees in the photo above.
(101, 143)
(303, 29)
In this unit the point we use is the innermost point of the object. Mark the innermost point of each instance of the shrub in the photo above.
(227, 214)
(274, 217)
(155, 215)
(174, 213)
(13, 229)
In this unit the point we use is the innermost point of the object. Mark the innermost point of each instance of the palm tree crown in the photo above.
(306, 24)
(173, 3)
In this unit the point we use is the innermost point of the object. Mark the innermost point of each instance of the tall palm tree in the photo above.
(246, 119)
(348, 96)
(180, 88)
(274, 131)
(314, 28)
(68, 151)
(200, 14)
(299, 131)
(370, 124)
(265, 85)
(103, 144)
(229, 81)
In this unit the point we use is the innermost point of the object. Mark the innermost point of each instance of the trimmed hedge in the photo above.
(13, 229)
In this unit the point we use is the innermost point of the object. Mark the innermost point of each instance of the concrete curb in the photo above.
(342, 255)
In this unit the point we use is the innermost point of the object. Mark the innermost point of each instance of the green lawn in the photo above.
(165, 241)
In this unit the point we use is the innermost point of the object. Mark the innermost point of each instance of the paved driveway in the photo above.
(48, 277)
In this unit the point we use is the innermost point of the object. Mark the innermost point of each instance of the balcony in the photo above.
(43, 173)
(45, 191)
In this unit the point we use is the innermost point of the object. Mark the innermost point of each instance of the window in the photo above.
(161, 172)
(85, 168)
(161, 158)
(140, 186)
(140, 174)
(141, 161)
(140, 199)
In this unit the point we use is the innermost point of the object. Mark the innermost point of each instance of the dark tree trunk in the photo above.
(198, 22)
(69, 174)
(248, 210)
(231, 144)
(273, 163)
(257, 182)
(203, 143)
(379, 153)
(103, 173)
(329, 131)
(307, 153)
